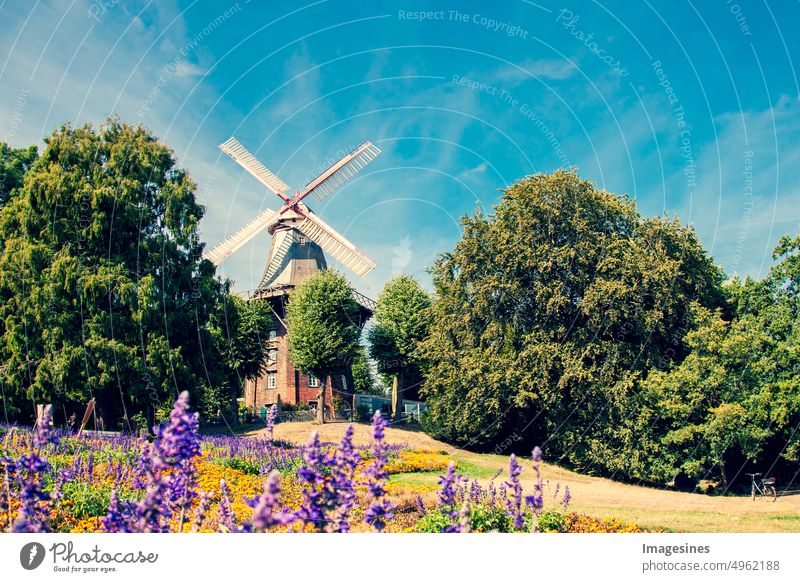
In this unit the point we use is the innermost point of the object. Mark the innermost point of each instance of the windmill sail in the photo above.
(249, 162)
(340, 172)
(241, 237)
(276, 260)
(335, 244)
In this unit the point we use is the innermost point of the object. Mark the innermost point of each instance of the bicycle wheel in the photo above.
(770, 493)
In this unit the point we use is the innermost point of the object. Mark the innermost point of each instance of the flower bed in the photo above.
(181, 482)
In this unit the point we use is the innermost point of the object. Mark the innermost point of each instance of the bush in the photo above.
(433, 522)
(139, 421)
(86, 500)
(487, 518)
(246, 466)
(483, 518)
(552, 522)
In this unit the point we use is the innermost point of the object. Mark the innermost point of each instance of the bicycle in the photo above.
(766, 488)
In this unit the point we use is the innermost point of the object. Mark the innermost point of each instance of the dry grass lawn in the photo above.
(599, 497)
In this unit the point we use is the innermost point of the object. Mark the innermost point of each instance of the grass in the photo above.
(647, 507)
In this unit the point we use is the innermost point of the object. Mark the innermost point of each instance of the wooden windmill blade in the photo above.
(220, 252)
(276, 259)
(335, 244)
(249, 162)
(340, 172)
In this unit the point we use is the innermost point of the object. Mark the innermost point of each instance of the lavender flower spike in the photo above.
(311, 472)
(226, 515)
(44, 428)
(200, 513)
(379, 509)
(272, 417)
(447, 489)
(267, 512)
(514, 502)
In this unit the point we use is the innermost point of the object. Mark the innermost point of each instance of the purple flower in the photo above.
(119, 515)
(341, 487)
(312, 473)
(536, 501)
(44, 428)
(447, 488)
(421, 506)
(267, 511)
(203, 505)
(272, 418)
(514, 502)
(475, 491)
(34, 503)
(379, 509)
(227, 519)
(567, 497)
(166, 471)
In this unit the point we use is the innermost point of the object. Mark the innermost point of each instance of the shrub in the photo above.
(246, 466)
(552, 522)
(487, 518)
(433, 522)
(86, 499)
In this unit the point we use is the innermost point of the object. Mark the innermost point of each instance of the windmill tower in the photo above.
(300, 239)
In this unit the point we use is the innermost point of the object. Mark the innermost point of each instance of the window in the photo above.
(272, 381)
(273, 356)
(344, 383)
(313, 381)
(273, 335)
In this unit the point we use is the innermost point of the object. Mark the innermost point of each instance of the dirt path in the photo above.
(299, 433)
(647, 507)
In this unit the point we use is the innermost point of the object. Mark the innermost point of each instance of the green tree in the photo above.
(401, 323)
(103, 291)
(735, 399)
(14, 162)
(363, 379)
(239, 329)
(549, 311)
(323, 328)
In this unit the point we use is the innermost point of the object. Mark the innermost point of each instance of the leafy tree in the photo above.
(401, 324)
(103, 291)
(239, 329)
(735, 400)
(13, 165)
(323, 328)
(363, 379)
(548, 313)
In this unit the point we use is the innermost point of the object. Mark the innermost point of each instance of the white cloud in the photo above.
(549, 69)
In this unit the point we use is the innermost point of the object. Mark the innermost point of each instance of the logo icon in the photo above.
(31, 555)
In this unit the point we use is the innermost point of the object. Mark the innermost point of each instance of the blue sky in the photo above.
(692, 108)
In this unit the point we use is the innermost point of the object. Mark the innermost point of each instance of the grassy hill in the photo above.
(647, 507)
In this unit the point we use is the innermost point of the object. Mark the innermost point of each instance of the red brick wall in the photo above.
(291, 385)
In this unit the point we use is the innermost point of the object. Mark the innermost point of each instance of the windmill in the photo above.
(294, 216)
(300, 240)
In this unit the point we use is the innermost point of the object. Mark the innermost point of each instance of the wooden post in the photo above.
(86, 415)
(321, 401)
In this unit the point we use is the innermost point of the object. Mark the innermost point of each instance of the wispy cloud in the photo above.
(548, 69)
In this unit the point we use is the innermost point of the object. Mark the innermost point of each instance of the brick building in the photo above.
(293, 258)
